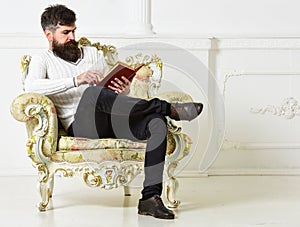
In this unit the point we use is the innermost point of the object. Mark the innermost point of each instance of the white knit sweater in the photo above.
(53, 76)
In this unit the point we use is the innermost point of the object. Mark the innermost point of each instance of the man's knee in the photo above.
(157, 120)
(157, 127)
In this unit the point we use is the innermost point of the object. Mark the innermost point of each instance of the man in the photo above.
(66, 73)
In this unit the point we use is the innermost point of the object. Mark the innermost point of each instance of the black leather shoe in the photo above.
(155, 207)
(185, 111)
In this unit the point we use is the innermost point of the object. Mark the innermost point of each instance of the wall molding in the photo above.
(38, 41)
(238, 73)
(235, 145)
(193, 42)
(256, 43)
(289, 109)
(254, 172)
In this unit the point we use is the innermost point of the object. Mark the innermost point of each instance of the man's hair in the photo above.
(57, 15)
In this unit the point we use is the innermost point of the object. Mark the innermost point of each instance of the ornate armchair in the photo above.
(104, 163)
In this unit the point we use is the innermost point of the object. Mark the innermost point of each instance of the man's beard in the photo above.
(68, 51)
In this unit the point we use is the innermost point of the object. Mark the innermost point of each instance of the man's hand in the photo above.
(91, 77)
(120, 86)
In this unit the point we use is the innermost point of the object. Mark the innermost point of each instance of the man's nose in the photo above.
(71, 36)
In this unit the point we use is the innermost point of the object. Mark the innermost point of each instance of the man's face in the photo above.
(63, 43)
(64, 33)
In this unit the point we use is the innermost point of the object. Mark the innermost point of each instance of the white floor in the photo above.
(209, 202)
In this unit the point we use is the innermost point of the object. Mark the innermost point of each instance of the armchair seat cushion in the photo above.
(79, 143)
(78, 149)
(99, 155)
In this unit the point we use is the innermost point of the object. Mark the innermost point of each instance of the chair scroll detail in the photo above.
(103, 163)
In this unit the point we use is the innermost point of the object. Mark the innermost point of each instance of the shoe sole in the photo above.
(148, 214)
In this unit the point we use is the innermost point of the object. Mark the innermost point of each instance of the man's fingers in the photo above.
(117, 85)
(94, 77)
(118, 81)
(125, 80)
(117, 90)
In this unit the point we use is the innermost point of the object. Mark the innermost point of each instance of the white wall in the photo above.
(218, 18)
(227, 17)
(188, 24)
(93, 16)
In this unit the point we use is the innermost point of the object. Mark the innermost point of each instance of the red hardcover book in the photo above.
(117, 71)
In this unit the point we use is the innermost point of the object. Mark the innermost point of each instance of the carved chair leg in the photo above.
(45, 195)
(51, 185)
(127, 191)
(170, 186)
(43, 186)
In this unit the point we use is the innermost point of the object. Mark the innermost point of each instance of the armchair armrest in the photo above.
(39, 115)
(175, 130)
(175, 96)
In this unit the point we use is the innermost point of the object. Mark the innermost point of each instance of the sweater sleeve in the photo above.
(37, 81)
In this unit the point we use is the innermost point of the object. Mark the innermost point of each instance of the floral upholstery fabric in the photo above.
(140, 83)
(78, 143)
(78, 149)
(99, 155)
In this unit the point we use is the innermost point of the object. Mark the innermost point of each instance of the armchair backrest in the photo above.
(144, 85)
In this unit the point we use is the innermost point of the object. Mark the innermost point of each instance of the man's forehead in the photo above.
(66, 27)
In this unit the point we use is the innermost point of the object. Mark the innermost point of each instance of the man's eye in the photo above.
(67, 32)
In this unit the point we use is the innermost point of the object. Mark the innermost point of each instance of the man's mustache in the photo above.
(71, 43)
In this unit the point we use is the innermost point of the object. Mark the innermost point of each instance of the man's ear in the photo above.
(49, 35)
